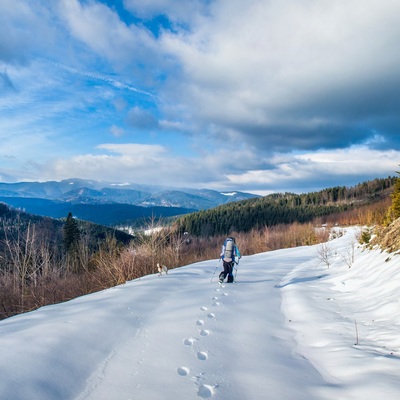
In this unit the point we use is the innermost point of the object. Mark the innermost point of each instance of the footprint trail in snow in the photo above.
(198, 346)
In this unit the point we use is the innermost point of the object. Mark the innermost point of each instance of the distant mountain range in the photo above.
(109, 203)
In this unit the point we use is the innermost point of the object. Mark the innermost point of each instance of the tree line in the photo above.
(282, 208)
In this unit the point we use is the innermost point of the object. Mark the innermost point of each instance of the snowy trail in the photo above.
(217, 337)
(284, 331)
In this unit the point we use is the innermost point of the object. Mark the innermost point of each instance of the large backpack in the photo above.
(228, 254)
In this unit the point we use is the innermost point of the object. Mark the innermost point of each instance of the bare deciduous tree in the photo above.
(349, 254)
(324, 253)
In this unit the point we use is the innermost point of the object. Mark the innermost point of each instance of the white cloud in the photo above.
(139, 163)
(23, 29)
(353, 161)
(320, 169)
(102, 30)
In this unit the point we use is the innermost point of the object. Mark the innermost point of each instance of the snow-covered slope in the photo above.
(290, 328)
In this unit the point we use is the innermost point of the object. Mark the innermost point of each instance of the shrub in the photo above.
(365, 236)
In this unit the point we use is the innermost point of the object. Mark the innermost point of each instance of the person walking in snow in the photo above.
(228, 253)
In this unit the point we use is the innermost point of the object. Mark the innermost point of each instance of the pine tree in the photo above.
(71, 232)
(396, 199)
(394, 210)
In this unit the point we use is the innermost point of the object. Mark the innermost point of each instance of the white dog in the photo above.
(161, 269)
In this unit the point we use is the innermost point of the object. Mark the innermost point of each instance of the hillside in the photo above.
(103, 214)
(388, 238)
(43, 261)
(284, 208)
(14, 221)
(291, 328)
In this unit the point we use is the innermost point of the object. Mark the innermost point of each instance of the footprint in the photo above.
(189, 342)
(214, 298)
(205, 391)
(216, 303)
(183, 371)
(203, 308)
(199, 322)
(211, 315)
(225, 294)
(202, 355)
(204, 332)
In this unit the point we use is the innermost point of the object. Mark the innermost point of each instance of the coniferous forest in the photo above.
(283, 208)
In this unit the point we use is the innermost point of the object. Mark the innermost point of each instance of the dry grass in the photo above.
(388, 238)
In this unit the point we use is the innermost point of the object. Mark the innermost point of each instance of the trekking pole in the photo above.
(215, 270)
(236, 270)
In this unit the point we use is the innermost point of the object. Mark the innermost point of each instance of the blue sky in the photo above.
(260, 96)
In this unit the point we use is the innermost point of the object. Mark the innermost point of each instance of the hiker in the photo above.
(228, 253)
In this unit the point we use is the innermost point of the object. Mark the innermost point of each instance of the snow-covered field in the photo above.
(290, 328)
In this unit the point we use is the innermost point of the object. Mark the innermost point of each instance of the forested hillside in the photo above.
(283, 208)
(14, 223)
(43, 261)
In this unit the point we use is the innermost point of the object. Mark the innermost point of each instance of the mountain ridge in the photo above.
(80, 191)
(111, 203)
